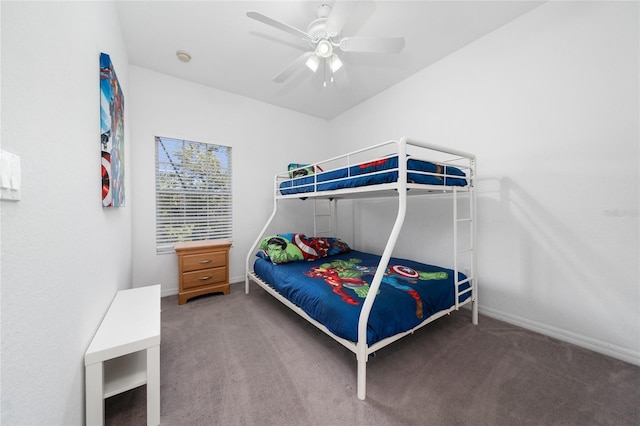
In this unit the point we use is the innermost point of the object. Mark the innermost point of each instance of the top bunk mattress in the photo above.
(383, 170)
(331, 290)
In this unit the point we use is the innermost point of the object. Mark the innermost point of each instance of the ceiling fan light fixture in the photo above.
(335, 63)
(313, 62)
(324, 49)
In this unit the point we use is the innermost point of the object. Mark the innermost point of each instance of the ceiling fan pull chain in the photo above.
(324, 73)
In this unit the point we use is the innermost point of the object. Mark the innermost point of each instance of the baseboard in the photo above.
(169, 292)
(237, 280)
(595, 345)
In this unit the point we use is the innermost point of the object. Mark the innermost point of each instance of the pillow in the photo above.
(279, 249)
(337, 246)
(299, 170)
(284, 248)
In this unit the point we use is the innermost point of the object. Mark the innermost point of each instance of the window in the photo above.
(193, 192)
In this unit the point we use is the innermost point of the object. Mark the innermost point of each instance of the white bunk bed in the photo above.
(403, 183)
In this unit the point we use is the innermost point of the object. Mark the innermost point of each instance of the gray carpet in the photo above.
(248, 360)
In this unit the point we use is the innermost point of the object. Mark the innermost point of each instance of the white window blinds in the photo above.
(193, 192)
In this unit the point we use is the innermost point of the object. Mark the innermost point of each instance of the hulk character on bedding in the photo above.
(280, 250)
(284, 248)
(340, 274)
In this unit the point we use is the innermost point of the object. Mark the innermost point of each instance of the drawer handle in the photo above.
(202, 262)
(205, 278)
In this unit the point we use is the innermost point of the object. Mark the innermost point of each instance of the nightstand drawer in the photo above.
(204, 277)
(197, 262)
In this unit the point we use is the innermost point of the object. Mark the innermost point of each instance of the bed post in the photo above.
(361, 346)
(474, 291)
(257, 242)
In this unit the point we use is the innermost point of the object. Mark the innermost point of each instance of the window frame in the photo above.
(192, 202)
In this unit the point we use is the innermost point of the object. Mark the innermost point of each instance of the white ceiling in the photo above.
(237, 54)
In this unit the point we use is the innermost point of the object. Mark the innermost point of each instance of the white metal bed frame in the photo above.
(400, 189)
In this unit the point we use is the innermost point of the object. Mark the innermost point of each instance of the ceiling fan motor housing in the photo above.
(317, 29)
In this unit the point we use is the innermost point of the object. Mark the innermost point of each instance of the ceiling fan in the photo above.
(324, 38)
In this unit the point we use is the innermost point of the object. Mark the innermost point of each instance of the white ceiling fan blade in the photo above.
(279, 25)
(340, 13)
(372, 44)
(293, 67)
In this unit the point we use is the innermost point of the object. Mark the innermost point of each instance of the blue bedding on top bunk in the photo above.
(365, 174)
(332, 290)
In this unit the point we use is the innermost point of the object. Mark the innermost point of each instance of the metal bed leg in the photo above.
(362, 377)
(474, 309)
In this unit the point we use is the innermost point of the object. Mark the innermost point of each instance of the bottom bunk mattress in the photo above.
(332, 289)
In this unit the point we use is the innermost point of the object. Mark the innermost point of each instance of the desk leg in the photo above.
(94, 377)
(153, 386)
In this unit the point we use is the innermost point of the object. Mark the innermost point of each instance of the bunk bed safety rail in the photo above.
(295, 185)
(330, 174)
(442, 149)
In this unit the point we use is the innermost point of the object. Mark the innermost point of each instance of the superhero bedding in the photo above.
(329, 281)
(383, 170)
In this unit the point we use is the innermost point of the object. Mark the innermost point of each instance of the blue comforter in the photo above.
(332, 289)
(384, 170)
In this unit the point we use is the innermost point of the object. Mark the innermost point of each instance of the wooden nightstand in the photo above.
(203, 268)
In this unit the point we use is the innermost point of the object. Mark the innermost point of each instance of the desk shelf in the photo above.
(124, 373)
(125, 353)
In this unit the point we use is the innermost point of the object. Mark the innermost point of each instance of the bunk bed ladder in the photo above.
(464, 252)
(324, 218)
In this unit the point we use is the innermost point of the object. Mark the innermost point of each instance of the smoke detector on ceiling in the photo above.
(183, 56)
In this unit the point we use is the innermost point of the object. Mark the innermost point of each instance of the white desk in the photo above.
(125, 353)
